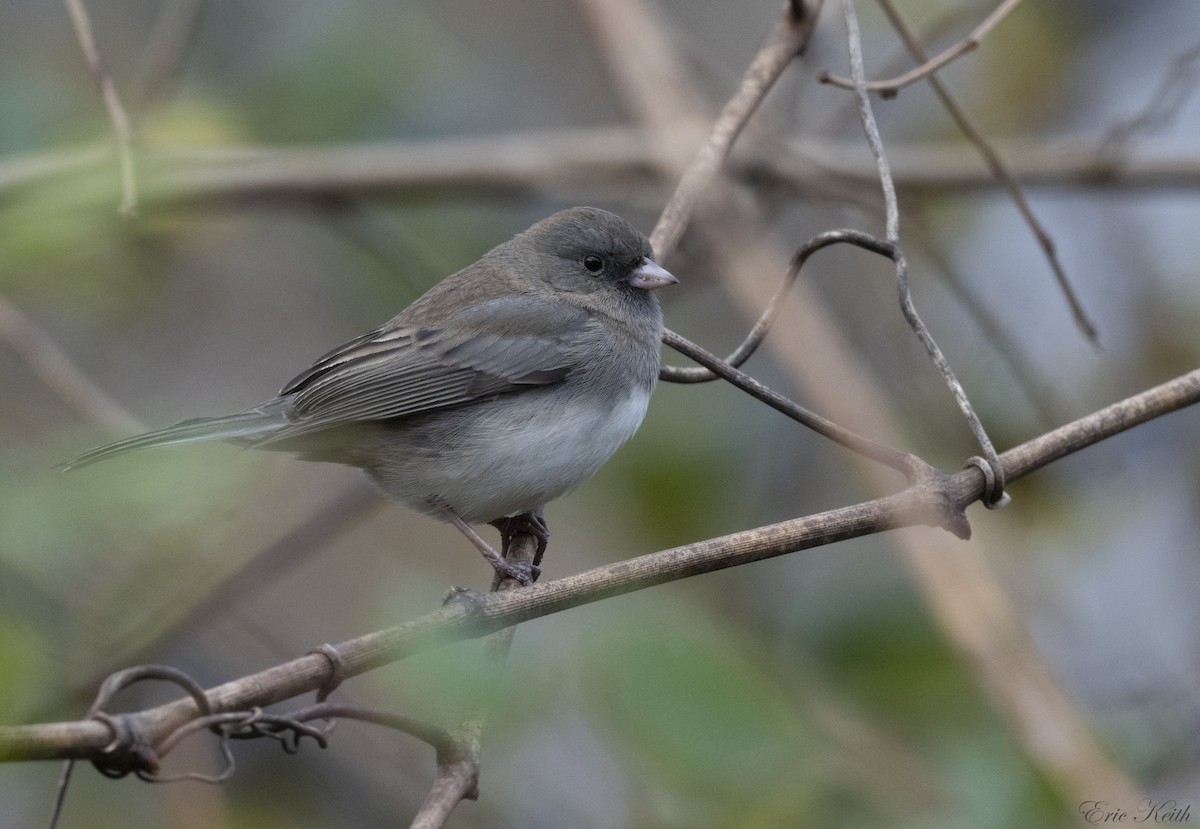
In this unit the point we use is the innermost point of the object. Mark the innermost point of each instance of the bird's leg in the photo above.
(527, 523)
(525, 574)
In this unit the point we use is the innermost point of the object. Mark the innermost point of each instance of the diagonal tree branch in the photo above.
(474, 617)
(55, 368)
(786, 40)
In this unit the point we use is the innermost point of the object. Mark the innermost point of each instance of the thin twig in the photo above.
(112, 102)
(998, 169)
(726, 369)
(1164, 104)
(714, 367)
(433, 735)
(889, 88)
(761, 327)
(996, 495)
(900, 461)
(173, 29)
(1005, 344)
(787, 39)
(867, 118)
(628, 33)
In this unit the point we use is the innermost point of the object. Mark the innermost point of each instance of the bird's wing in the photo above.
(490, 348)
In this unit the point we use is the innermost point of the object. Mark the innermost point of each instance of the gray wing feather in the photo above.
(491, 348)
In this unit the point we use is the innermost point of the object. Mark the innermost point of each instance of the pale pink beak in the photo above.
(650, 275)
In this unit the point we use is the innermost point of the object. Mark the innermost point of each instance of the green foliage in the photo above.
(681, 700)
(314, 88)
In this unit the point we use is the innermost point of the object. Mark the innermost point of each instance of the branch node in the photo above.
(471, 600)
(337, 670)
(954, 521)
(994, 496)
(951, 515)
(130, 751)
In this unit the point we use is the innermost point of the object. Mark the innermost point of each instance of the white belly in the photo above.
(518, 457)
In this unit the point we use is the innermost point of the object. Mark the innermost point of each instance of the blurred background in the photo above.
(307, 169)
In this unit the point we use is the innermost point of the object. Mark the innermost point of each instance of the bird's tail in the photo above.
(246, 428)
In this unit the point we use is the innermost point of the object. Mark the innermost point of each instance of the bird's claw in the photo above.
(527, 523)
(521, 571)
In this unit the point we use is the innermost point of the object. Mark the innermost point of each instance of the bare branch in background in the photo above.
(595, 160)
(1176, 87)
(998, 169)
(112, 102)
(165, 49)
(55, 368)
(344, 511)
(889, 88)
(787, 39)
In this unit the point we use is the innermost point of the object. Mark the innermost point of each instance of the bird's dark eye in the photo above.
(593, 263)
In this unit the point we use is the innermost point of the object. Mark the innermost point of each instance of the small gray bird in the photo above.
(503, 387)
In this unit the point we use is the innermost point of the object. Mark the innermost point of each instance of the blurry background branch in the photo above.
(504, 165)
(55, 368)
(888, 88)
(999, 170)
(112, 102)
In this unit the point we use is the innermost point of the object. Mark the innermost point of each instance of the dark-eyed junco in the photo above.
(503, 387)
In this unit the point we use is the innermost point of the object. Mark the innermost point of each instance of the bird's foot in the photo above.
(527, 523)
(525, 574)
(522, 571)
